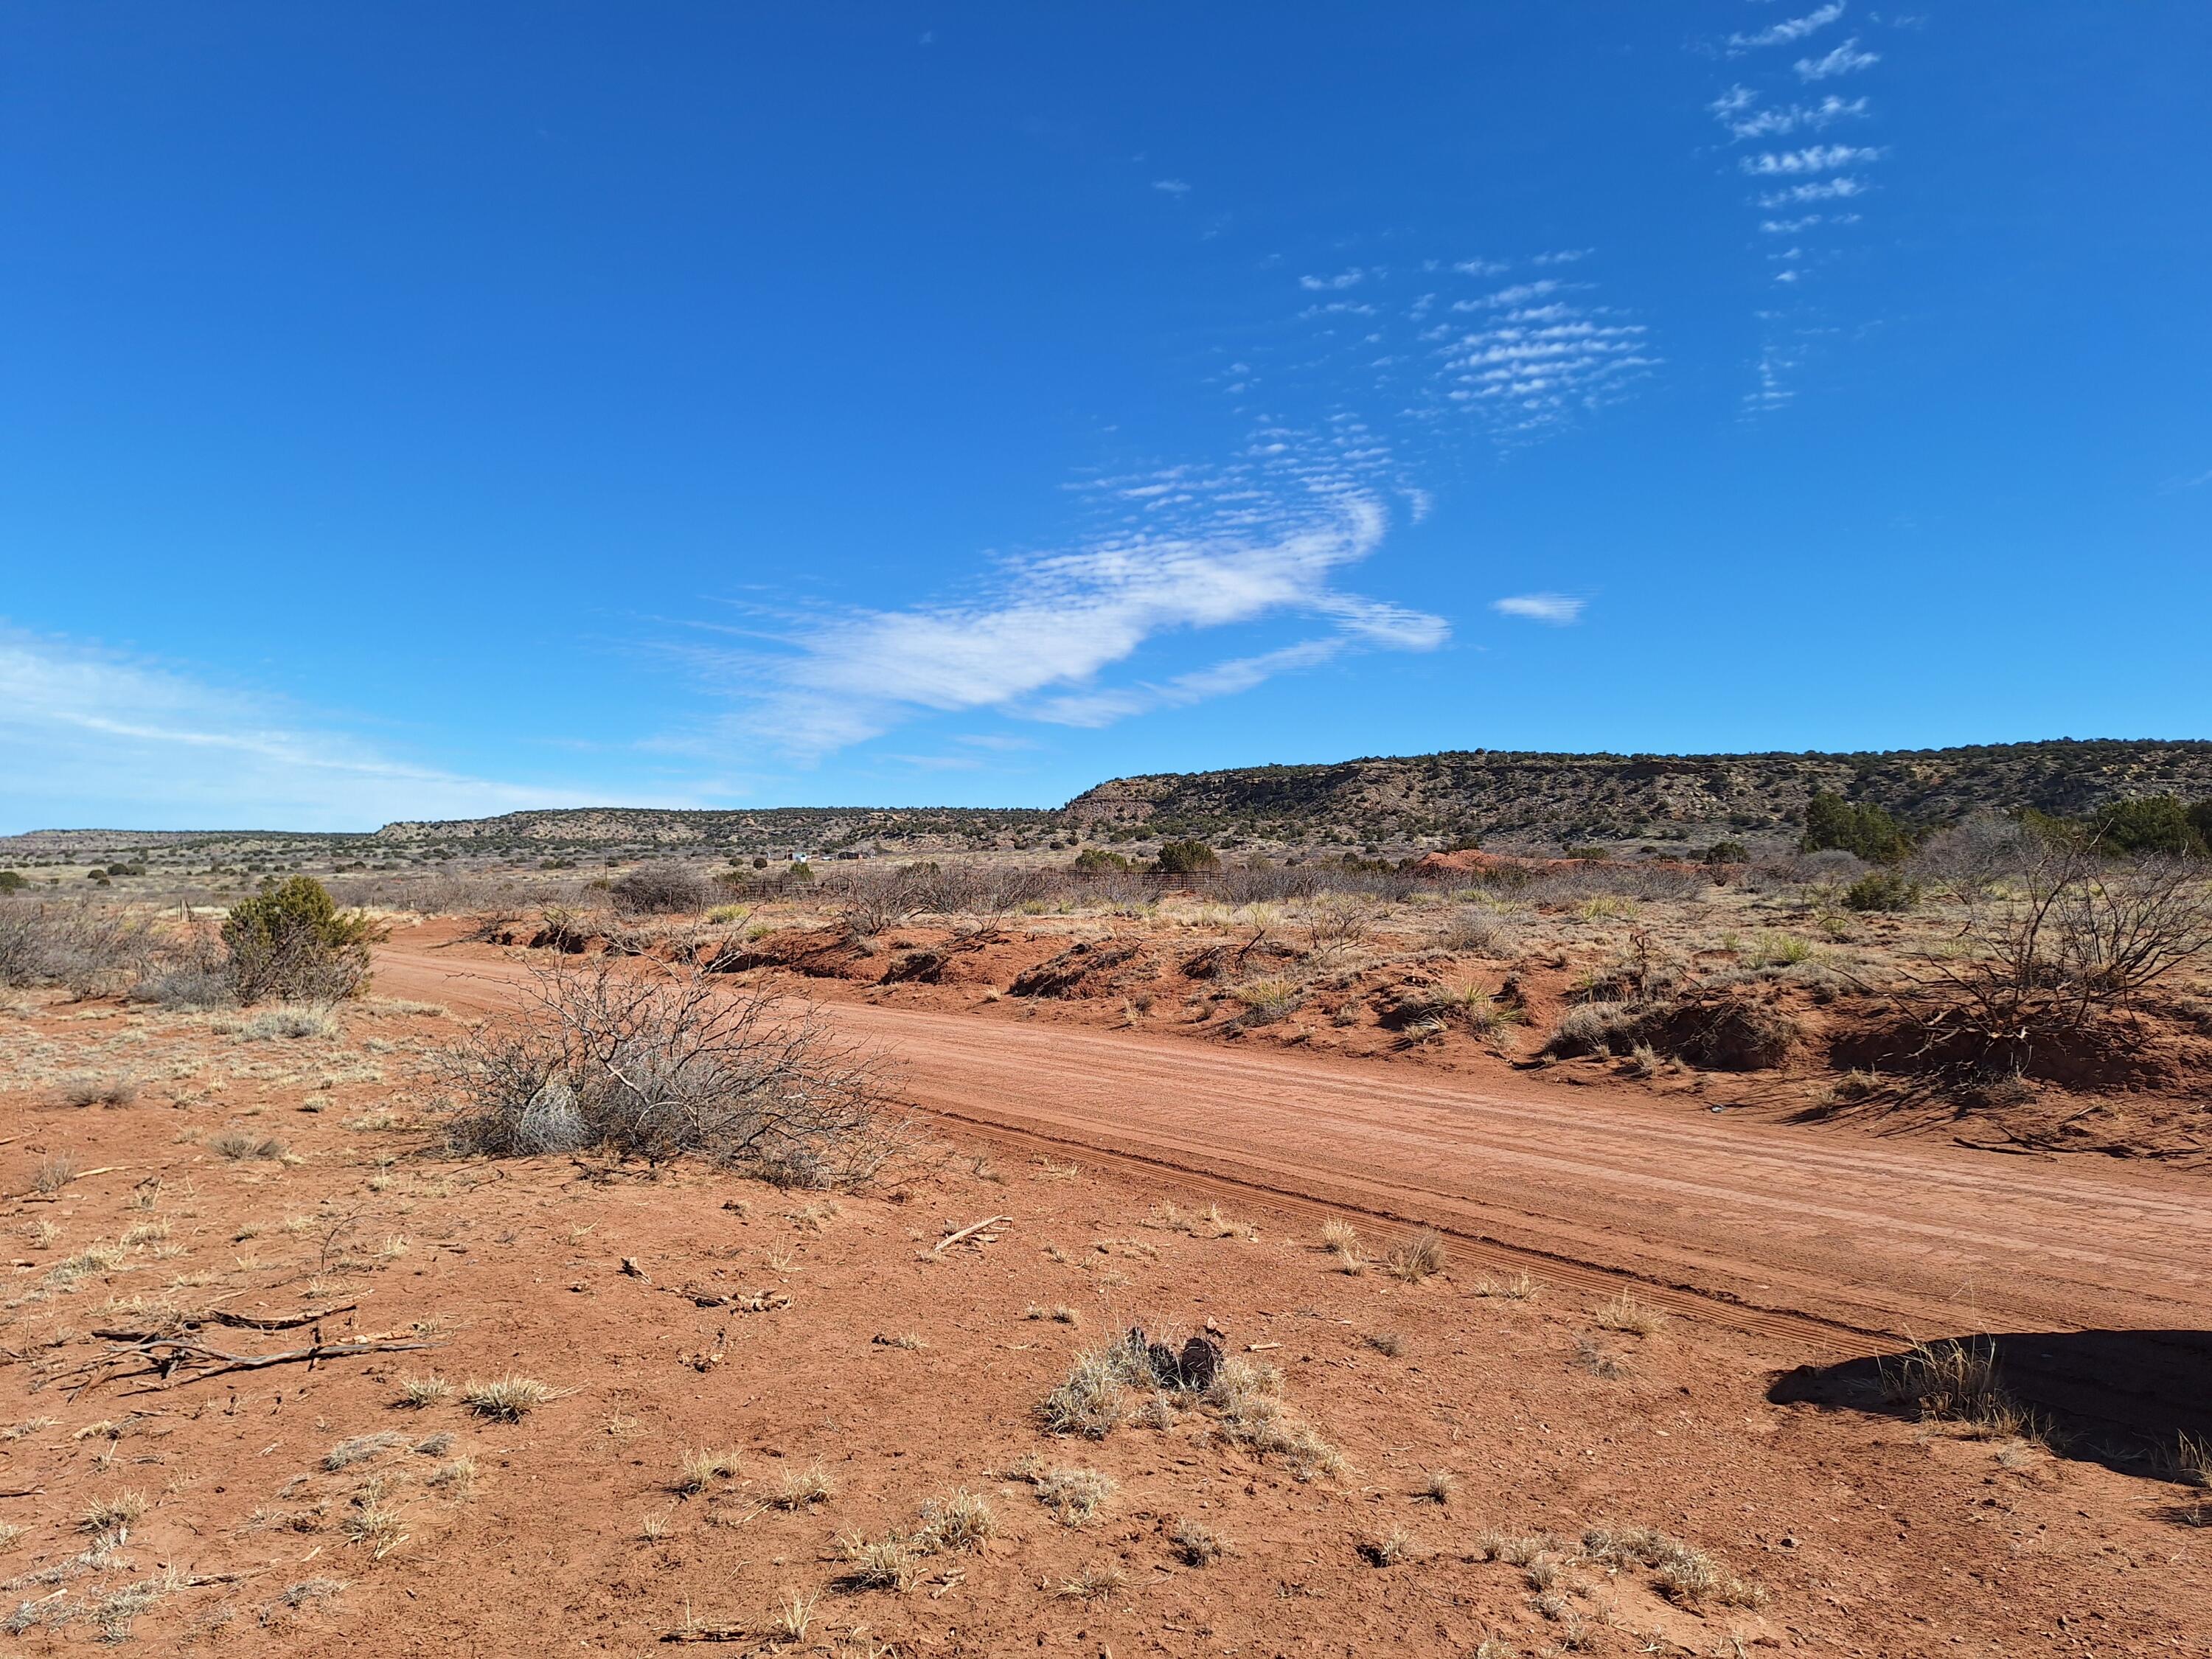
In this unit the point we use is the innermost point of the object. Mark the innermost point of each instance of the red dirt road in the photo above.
(1828, 1237)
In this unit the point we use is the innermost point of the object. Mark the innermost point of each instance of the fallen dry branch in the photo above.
(965, 1232)
(165, 1356)
(712, 1633)
(743, 1301)
(194, 1321)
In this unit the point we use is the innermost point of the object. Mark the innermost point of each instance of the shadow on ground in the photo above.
(2124, 1399)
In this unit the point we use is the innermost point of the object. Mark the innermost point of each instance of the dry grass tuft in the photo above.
(1057, 1316)
(360, 1450)
(1519, 1288)
(2189, 1462)
(793, 1614)
(1386, 1342)
(456, 1476)
(110, 1517)
(1417, 1258)
(1625, 1313)
(1954, 1382)
(1248, 1413)
(1094, 1400)
(1437, 1485)
(1388, 1552)
(416, 1393)
(1680, 1572)
(701, 1469)
(506, 1399)
(888, 1563)
(800, 1488)
(1598, 1361)
(87, 1091)
(55, 1171)
(959, 1520)
(1094, 1583)
(1198, 1545)
(375, 1522)
(1075, 1495)
(237, 1145)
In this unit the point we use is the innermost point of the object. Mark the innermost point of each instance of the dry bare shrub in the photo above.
(87, 1091)
(237, 1145)
(1477, 931)
(1711, 1024)
(655, 1063)
(660, 889)
(2068, 939)
(88, 948)
(872, 901)
(55, 1171)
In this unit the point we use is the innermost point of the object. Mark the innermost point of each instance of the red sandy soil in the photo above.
(1786, 1226)
(1765, 1245)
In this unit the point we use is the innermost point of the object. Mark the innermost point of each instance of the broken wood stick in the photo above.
(965, 1232)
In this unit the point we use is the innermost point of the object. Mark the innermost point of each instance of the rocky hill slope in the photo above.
(1516, 799)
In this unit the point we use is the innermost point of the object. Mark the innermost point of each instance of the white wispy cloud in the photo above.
(1557, 608)
(1846, 59)
(1519, 295)
(1264, 536)
(82, 723)
(1828, 189)
(1172, 186)
(1819, 180)
(1343, 279)
(1788, 118)
(1789, 30)
(1815, 158)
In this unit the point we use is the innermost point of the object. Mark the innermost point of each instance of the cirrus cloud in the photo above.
(1557, 608)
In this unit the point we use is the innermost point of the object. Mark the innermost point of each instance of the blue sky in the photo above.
(423, 409)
